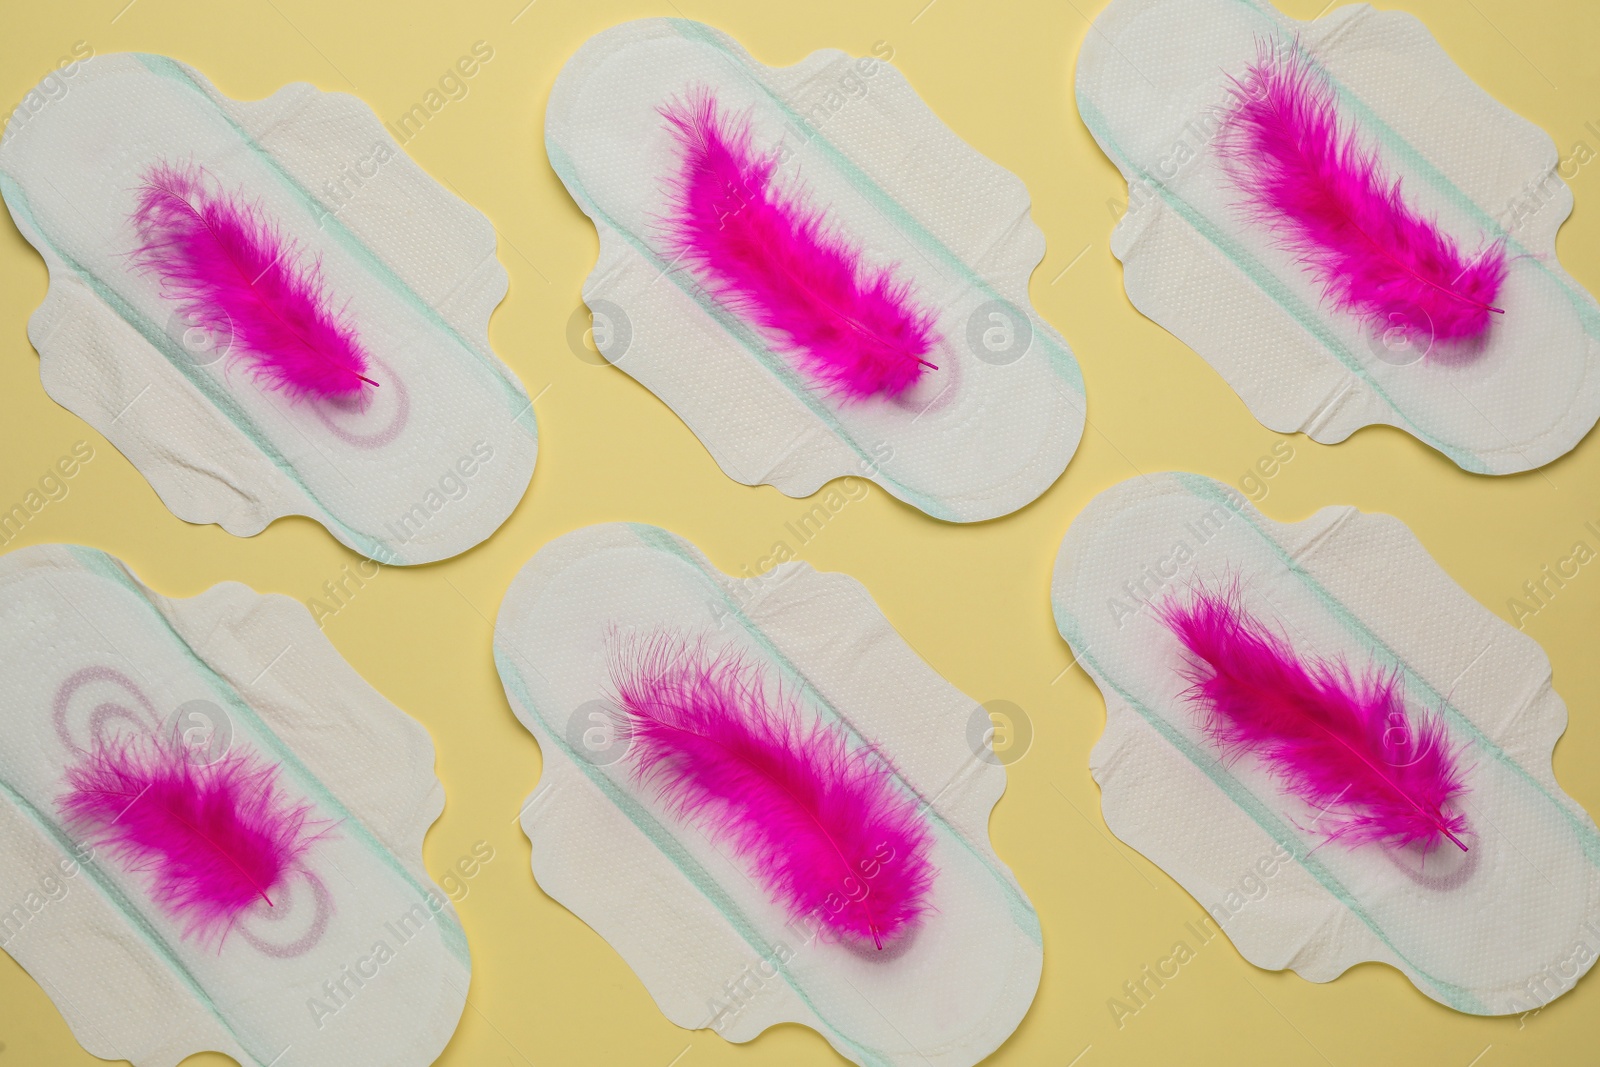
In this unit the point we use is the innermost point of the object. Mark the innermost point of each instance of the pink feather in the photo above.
(824, 827)
(1327, 198)
(773, 259)
(1343, 744)
(231, 270)
(215, 839)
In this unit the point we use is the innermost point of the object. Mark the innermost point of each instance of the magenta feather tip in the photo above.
(825, 828)
(770, 258)
(1346, 745)
(233, 273)
(1325, 195)
(214, 839)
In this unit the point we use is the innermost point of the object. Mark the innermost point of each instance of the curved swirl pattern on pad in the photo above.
(1498, 929)
(685, 912)
(980, 436)
(359, 958)
(1153, 87)
(402, 262)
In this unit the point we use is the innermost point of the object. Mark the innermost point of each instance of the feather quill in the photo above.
(214, 839)
(823, 826)
(233, 272)
(1324, 193)
(773, 259)
(1342, 743)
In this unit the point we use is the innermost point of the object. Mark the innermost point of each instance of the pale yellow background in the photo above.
(971, 599)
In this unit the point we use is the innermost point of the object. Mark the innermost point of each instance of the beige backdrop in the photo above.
(972, 600)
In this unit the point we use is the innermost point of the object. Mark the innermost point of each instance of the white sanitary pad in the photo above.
(982, 436)
(705, 939)
(86, 653)
(445, 448)
(1508, 925)
(1152, 86)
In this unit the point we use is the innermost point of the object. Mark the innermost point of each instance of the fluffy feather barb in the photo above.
(776, 261)
(1329, 201)
(233, 273)
(824, 826)
(214, 838)
(1345, 745)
